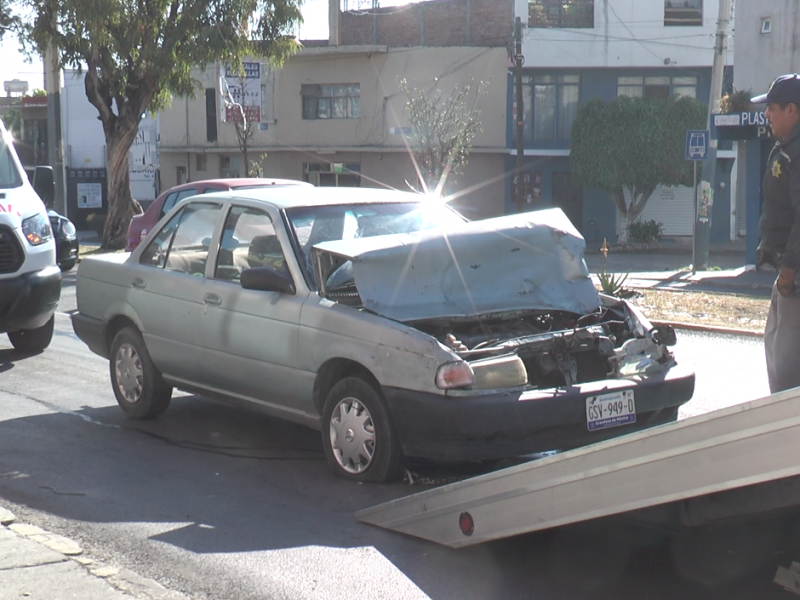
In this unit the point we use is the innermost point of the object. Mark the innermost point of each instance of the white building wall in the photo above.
(81, 130)
(764, 56)
(626, 33)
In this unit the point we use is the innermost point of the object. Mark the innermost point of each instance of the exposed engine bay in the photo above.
(546, 350)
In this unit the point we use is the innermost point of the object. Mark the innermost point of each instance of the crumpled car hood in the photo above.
(531, 261)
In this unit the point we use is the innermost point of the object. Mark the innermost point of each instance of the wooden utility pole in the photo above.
(520, 116)
(702, 234)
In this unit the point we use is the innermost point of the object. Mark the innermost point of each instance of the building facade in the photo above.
(579, 49)
(335, 113)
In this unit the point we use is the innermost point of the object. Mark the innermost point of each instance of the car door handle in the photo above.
(139, 283)
(212, 299)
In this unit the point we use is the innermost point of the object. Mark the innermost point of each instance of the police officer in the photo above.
(779, 229)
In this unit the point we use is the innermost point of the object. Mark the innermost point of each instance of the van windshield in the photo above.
(9, 174)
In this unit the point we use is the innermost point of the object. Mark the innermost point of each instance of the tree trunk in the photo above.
(121, 205)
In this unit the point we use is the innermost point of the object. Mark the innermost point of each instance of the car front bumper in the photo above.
(28, 301)
(507, 424)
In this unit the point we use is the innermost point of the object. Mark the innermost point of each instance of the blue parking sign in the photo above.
(696, 144)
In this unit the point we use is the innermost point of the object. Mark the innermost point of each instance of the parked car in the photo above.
(383, 319)
(141, 225)
(66, 240)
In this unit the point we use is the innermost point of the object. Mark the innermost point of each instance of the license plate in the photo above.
(610, 410)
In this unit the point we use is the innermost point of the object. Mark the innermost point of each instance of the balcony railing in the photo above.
(561, 14)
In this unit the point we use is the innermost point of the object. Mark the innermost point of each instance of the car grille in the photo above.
(10, 252)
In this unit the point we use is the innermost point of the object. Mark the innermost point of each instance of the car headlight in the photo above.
(455, 375)
(68, 228)
(36, 230)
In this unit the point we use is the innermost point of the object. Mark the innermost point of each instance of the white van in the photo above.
(30, 280)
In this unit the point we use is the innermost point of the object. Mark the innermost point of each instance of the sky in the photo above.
(13, 64)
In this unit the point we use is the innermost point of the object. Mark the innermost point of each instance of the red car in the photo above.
(141, 225)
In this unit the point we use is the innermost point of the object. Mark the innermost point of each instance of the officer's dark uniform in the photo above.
(779, 229)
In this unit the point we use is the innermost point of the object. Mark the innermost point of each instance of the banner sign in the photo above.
(245, 90)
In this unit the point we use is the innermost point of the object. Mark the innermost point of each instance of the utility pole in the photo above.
(52, 85)
(518, 60)
(702, 233)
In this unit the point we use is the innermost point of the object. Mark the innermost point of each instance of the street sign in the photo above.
(696, 144)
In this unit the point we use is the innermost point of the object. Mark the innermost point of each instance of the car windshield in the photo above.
(9, 174)
(312, 225)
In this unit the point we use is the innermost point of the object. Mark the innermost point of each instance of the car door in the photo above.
(249, 337)
(167, 289)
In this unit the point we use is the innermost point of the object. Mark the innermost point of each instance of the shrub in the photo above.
(646, 232)
(611, 283)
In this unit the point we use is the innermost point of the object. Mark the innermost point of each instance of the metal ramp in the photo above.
(743, 445)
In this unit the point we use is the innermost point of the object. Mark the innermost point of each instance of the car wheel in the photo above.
(357, 433)
(140, 390)
(33, 340)
(67, 265)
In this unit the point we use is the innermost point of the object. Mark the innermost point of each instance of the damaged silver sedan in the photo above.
(383, 319)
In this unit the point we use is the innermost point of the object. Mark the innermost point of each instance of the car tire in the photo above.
(140, 389)
(67, 265)
(358, 435)
(32, 341)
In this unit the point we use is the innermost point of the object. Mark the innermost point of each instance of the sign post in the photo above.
(696, 150)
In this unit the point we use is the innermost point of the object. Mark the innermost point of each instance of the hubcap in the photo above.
(352, 435)
(128, 369)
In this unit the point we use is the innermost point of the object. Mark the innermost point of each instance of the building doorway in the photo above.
(568, 198)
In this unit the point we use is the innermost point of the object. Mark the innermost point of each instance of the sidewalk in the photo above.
(668, 267)
(37, 564)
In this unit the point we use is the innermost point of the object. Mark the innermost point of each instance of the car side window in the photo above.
(248, 240)
(189, 250)
(176, 197)
(155, 255)
(211, 190)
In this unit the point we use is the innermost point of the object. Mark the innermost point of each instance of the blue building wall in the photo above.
(599, 212)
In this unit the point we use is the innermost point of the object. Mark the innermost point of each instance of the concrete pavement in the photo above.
(37, 564)
(670, 267)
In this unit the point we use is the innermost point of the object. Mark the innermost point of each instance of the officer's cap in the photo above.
(783, 90)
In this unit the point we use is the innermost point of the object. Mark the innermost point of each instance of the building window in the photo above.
(561, 14)
(332, 174)
(201, 163)
(211, 115)
(766, 24)
(656, 87)
(683, 12)
(550, 102)
(229, 167)
(331, 101)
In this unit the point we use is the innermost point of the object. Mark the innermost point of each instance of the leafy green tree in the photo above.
(138, 54)
(444, 126)
(6, 17)
(633, 145)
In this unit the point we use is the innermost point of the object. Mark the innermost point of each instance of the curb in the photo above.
(121, 580)
(710, 329)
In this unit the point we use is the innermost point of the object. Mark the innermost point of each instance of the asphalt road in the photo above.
(221, 503)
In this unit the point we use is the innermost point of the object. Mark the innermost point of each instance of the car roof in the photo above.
(234, 183)
(298, 196)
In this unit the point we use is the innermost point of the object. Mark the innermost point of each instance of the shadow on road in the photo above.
(226, 480)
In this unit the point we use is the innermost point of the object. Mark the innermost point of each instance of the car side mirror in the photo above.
(44, 184)
(267, 280)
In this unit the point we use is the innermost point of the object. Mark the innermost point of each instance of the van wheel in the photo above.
(140, 390)
(32, 341)
(357, 433)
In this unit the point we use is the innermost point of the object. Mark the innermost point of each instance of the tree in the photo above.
(633, 145)
(138, 54)
(443, 129)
